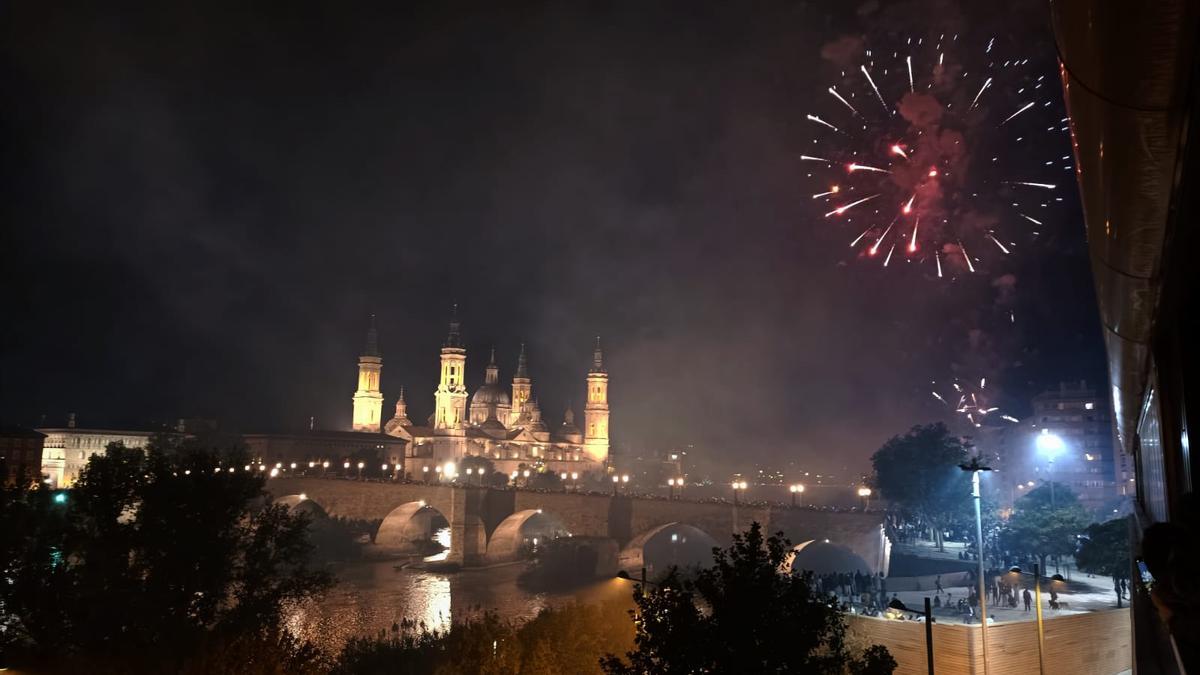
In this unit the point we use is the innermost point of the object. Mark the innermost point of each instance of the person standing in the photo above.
(938, 583)
(1028, 598)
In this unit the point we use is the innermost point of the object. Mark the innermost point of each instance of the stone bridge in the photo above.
(490, 526)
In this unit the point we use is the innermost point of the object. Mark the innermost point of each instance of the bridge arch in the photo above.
(822, 556)
(670, 545)
(300, 503)
(520, 530)
(407, 525)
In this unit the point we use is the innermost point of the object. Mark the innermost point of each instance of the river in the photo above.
(372, 595)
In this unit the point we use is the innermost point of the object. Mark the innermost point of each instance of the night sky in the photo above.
(202, 205)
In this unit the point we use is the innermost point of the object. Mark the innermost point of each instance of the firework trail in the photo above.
(974, 402)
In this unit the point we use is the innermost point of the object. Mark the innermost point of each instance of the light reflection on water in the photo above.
(371, 596)
(442, 536)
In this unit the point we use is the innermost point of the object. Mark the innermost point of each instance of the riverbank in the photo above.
(371, 596)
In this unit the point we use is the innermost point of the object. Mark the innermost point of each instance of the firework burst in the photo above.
(971, 399)
(938, 160)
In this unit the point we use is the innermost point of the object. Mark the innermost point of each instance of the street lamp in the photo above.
(796, 489)
(865, 493)
(738, 485)
(975, 468)
(1051, 446)
(672, 484)
(360, 468)
(425, 473)
(616, 482)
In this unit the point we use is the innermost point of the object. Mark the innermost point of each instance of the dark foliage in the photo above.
(756, 620)
(919, 474)
(156, 561)
(560, 640)
(1105, 550)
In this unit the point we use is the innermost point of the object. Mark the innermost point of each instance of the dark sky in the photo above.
(202, 204)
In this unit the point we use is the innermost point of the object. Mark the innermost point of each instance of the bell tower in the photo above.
(595, 412)
(521, 388)
(450, 399)
(368, 400)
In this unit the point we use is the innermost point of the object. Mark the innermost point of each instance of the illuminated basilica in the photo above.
(505, 427)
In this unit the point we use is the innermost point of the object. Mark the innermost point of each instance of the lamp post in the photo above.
(737, 485)
(1051, 446)
(976, 468)
(616, 482)
(865, 493)
(425, 473)
(575, 480)
(796, 489)
(360, 468)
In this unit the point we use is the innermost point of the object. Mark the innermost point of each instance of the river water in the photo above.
(372, 595)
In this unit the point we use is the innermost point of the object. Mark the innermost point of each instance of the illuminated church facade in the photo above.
(505, 425)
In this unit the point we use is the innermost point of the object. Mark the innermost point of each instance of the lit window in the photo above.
(1089, 406)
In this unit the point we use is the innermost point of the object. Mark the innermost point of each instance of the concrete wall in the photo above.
(1093, 643)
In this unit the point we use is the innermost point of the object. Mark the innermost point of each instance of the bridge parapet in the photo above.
(475, 513)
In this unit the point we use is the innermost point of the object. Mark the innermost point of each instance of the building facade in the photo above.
(67, 450)
(20, 456)
(504, 426)
(1086, 462)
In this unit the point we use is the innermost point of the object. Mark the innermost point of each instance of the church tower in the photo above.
(368, 400)
(595, 412)
(521, 387)
(450, 399)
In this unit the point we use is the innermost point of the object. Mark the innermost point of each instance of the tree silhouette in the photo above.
(1105, 550)
(919, 474)
(757, 620)
(1043, 524)
(157, 559)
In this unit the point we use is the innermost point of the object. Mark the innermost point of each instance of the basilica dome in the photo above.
(490, 395)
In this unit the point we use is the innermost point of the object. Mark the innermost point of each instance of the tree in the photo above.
(1105, 550)
(1043, 525)
(156, 559)
(919, 473)
(758, 620)
(568, 639)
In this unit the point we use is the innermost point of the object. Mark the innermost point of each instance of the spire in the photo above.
(569, 417)
(597, 358)
(492, 373)
(522, 366)
(401, 401)
(453, 339)
(372, 346)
